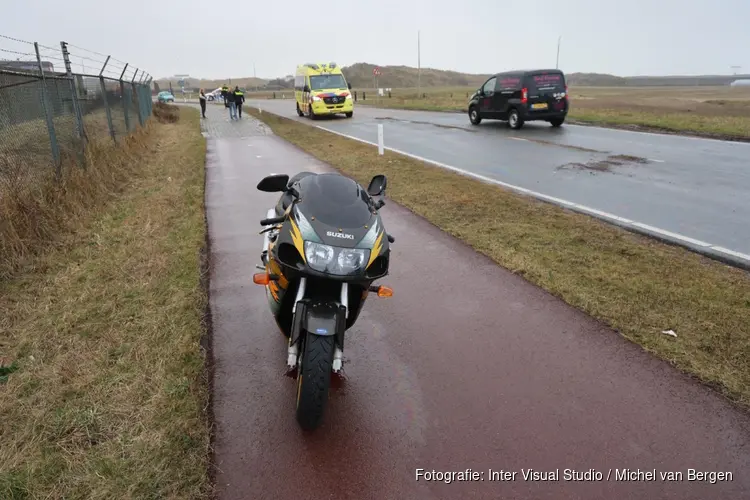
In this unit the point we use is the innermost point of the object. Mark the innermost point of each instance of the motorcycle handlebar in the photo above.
(274, 220)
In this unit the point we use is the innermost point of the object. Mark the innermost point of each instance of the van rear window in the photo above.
(509, 83)
(546, 81)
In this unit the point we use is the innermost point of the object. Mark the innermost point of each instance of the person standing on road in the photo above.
(239, 98)
(232, 105)
(202, 97)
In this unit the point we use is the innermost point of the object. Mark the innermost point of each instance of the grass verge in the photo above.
(634, 284)
(105, 393)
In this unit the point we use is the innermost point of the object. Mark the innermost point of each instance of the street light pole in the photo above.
(557, 61)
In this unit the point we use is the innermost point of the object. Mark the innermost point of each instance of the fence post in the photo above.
(80, 131)
(149, 100)
(74, 90)
(48, 115)
(138, 100)
(106, 103)
(124, 101)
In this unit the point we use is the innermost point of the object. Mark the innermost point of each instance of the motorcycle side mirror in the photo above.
(273, 183)
(377, 185)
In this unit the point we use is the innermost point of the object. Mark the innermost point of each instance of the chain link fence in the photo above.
(49, 114)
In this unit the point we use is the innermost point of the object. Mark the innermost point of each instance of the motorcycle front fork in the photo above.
(293, 355)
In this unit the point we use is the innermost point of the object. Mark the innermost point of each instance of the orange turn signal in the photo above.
(384, 291)
(261, 278)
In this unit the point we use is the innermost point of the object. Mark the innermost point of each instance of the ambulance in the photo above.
(321, 89)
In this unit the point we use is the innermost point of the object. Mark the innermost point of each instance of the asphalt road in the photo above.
(467, 366)
(696, 188)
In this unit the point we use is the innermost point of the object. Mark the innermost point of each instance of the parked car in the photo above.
(165, 96)
(522, 96)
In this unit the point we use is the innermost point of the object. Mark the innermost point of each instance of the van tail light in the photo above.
(524, 95)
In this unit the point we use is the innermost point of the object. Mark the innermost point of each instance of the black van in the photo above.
(522, 96)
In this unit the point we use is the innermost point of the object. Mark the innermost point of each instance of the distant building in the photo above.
(26, 66)
(740, 83)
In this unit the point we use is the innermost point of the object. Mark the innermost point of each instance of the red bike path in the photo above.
(467, 366)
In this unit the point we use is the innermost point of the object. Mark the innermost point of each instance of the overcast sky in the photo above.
(205, 39)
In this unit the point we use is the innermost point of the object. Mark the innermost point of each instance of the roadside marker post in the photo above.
(381, 146)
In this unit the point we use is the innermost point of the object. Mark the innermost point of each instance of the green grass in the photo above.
(108, 396)
(634, 284)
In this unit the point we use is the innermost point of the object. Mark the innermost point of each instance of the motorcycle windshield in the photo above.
(334, 200)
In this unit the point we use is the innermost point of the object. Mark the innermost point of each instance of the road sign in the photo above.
(376, 71)
(181, 82)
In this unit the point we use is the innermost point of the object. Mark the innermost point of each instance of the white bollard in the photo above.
(260, 111)
(380, 139)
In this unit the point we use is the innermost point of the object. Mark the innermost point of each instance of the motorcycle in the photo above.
(324, 245)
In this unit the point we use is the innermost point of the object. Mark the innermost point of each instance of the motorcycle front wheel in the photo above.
(314, 380)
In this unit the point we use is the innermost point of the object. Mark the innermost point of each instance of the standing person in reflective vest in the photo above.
(239, 98)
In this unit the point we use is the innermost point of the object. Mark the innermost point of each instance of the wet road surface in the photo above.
(467, 366)
(698, 188)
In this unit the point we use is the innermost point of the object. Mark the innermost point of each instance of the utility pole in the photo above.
(557, 61)
(419, 66)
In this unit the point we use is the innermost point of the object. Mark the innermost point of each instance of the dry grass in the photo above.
(707, 111)
(33, 208)
(106, 396)
(166, 113)
(634, 284)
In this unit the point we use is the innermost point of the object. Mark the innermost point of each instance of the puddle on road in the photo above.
(605, 165)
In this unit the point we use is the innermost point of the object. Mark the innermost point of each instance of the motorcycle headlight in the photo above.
(334, 260)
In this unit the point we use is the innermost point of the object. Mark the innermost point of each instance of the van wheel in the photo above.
(311, 113)
(514, 119)
(349, 114)
(299, 111)
(474, 117)
(556, 122)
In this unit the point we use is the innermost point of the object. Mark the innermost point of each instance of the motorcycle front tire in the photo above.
(314, 380)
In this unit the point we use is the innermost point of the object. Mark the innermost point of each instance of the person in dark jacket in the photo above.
(239, 98)
(224, 92)
(202, 97)
(232, 104)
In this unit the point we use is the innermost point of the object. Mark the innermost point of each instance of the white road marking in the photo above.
(742, 259)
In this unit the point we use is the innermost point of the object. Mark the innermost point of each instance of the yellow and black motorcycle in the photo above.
(324, 245)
